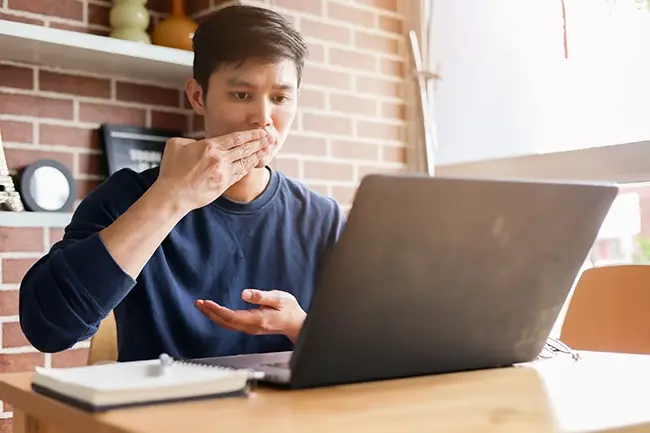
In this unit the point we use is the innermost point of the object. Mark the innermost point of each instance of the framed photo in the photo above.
(134, 147)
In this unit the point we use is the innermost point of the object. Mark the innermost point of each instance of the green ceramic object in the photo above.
(129, 20)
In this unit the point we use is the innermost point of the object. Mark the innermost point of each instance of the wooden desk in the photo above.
(602, 392)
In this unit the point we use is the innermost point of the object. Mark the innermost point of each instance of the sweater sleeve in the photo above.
(65, 294)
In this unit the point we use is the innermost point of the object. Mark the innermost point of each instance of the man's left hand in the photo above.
(278, 313)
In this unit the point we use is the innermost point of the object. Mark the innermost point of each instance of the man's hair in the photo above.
(236, 34)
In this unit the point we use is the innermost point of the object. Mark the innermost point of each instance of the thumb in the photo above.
(271, 298)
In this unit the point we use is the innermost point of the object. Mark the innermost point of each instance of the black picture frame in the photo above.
(133, 147)
(26, 176)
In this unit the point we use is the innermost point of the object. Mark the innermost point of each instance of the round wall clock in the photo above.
(47, 186)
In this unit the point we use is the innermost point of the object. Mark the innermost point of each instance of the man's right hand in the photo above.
(192, 175)
(197, 172)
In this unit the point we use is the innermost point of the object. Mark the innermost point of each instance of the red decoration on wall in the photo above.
(564, 34)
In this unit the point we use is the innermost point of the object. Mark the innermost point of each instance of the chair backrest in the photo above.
(103, 345)
(609, 310)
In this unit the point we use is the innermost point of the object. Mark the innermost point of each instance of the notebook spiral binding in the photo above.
(252, 374)
(201, 364)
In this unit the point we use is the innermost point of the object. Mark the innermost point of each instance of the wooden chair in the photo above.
(103, 345)
(610, 310)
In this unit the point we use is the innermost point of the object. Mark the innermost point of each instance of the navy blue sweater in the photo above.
(275, 242)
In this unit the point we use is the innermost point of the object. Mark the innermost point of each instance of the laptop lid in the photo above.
(435, 275)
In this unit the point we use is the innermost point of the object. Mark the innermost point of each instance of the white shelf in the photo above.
(91, 53)
(34, 219)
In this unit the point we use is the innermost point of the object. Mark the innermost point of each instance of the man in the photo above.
(213, 253)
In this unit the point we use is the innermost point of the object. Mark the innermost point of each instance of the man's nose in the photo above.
(260, 116)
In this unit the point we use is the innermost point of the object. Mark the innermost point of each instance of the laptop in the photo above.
(436, 275)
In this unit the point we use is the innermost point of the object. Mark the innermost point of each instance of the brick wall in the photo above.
(351, 121)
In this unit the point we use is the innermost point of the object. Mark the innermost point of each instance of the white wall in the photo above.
(507, 89)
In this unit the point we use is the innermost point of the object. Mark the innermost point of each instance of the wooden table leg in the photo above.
(25, 423)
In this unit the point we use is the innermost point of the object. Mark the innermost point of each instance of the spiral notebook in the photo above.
(104, 387)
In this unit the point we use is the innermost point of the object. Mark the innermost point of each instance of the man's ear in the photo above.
(194, 94)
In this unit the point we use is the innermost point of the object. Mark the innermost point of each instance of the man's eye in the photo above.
(240, 95)
(280, 99)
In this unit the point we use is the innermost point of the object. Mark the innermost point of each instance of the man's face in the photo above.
(247, 96)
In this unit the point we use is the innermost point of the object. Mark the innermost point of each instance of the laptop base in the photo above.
(274, 365)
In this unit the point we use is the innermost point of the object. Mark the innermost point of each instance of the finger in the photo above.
(217, 319)
(243, 167)
(273, 298)
(239, 319)
(238, 138)
(250, 148)
(224, 323)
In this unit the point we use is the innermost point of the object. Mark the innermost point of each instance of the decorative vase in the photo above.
(175, 31)
(129, 20)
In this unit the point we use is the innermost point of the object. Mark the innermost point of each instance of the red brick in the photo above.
(195, 6)
(37, 106)
(380, 130)
(56, 234)
(85, 186)
(91, 164)
(316, 51)
(326, 123)
(290, 167)
(320, 189)
(379, 43)
(170, 121)
(12, 335)
(393, 154)
(13, 363)
(365, 170)
(311, 6)
(353, 104)
(344, 194)
(390, 24)
(13, 270)
(393, 110)
(352, 59)
(70, 358)
(145, 94)
(17, 132)
(74, 84)
(326, 77)
(16, 76)
(185, 103)
(6, 425)
(391, 67)
(23, 239)
(9, 302)
(390, 5)
(104, 113)
(312, 98)
(355, 150)
(20, 158)
(351, 15)
(19, 19)
(328, 170)
(69, 136)
(325, 31)
(304, 145)
(70, 9)
(377, 86)
(99, 14)
(159, 6)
